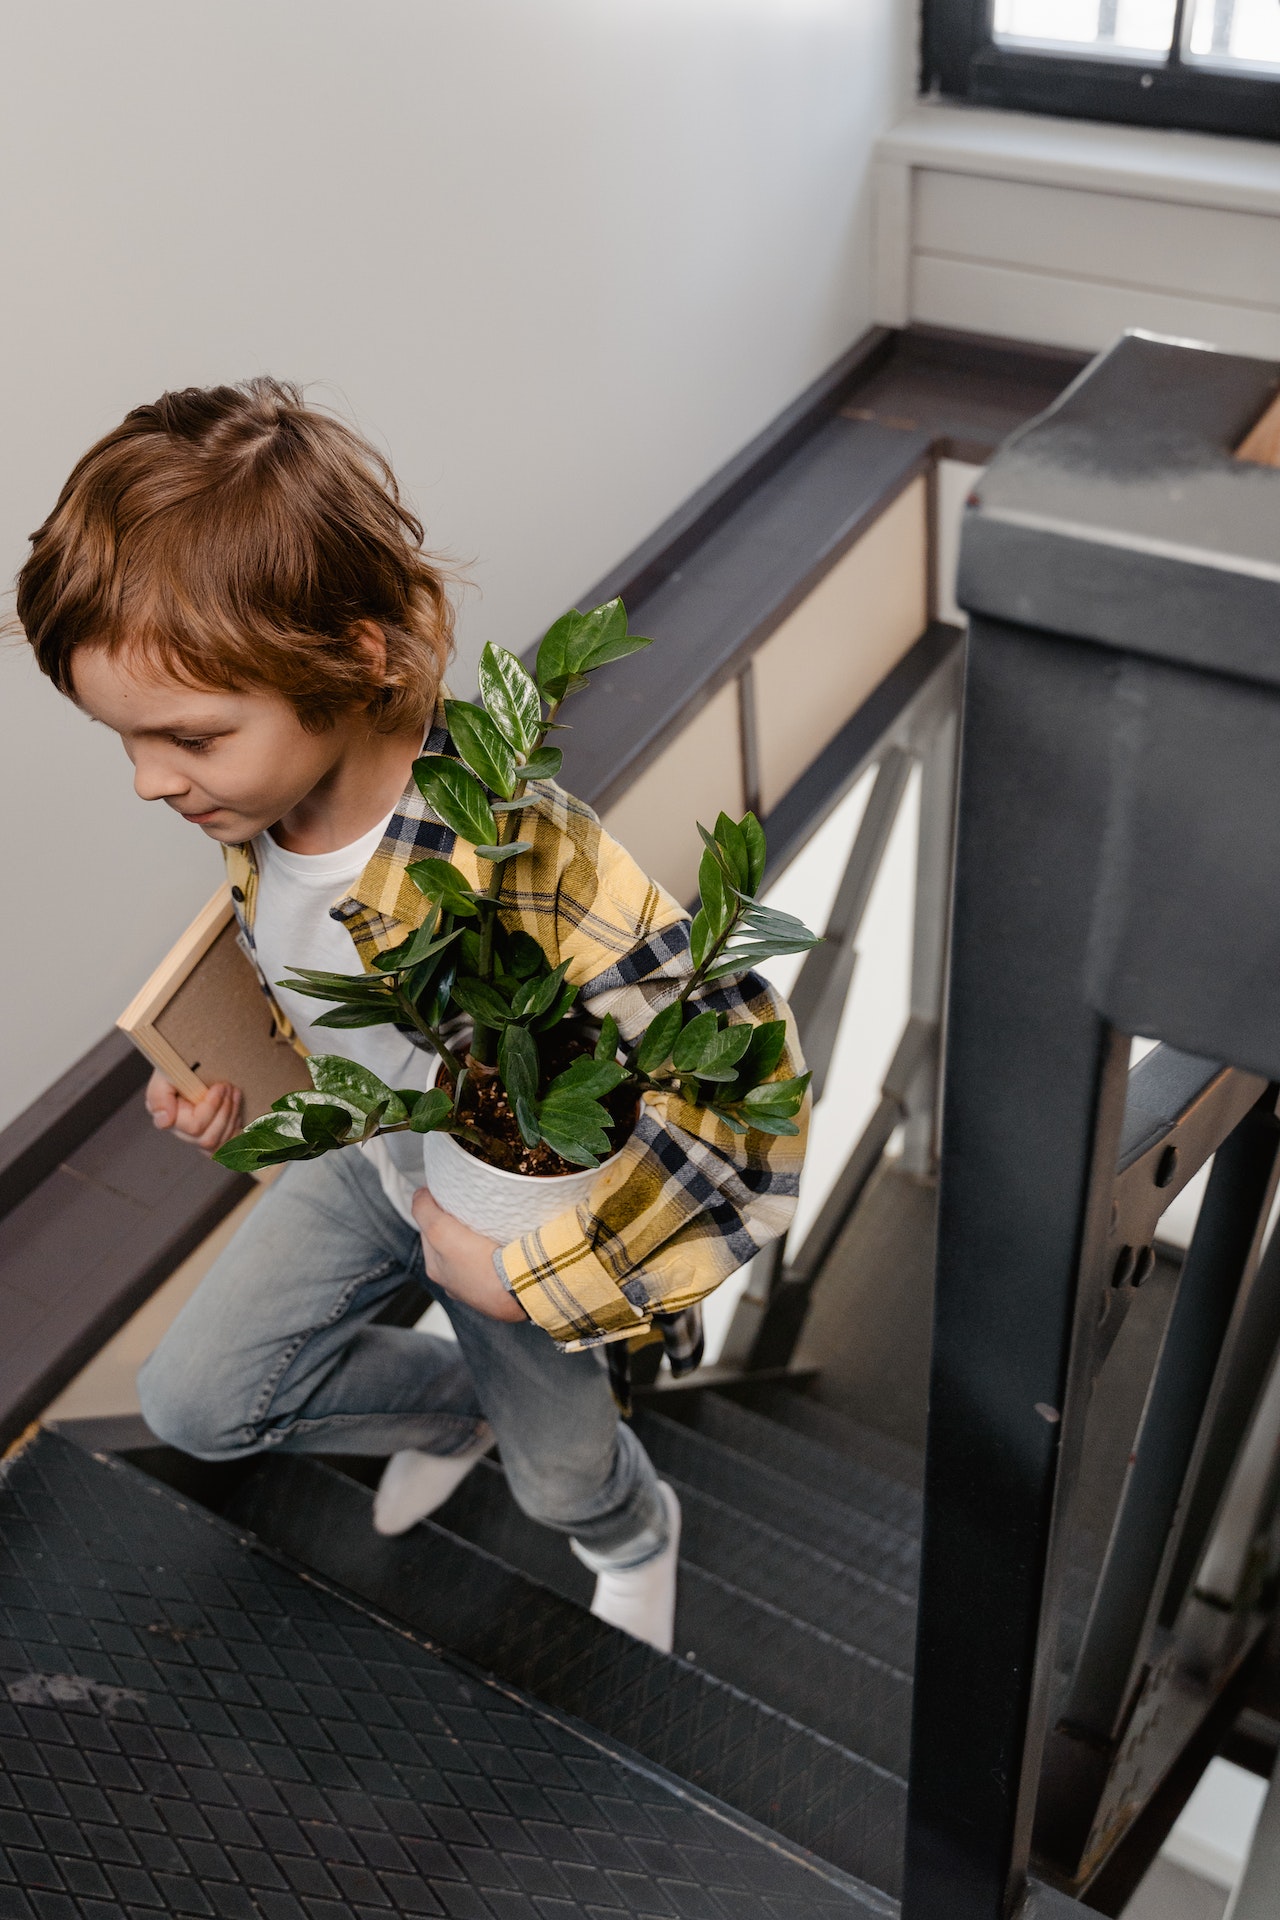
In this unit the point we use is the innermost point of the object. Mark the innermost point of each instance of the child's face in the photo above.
(233, 764)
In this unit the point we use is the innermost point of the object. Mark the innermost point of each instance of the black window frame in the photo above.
(961, 61)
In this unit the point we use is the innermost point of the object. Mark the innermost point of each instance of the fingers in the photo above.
(210, 1121)
(424, 1209)
(223, 1119)
(162, 1100)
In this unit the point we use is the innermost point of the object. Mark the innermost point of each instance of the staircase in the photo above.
(788, 1697)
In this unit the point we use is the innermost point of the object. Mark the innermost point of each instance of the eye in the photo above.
(197, 744)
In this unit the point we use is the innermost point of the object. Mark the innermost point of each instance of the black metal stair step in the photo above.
(758, 1559)
(810, 1674)
(880, 1452)
(759, 1492)
(190, 1727)
(816, 1465)
(838, 1804)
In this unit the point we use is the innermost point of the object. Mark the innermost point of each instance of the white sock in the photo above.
(414, 1484)
(642, 1600)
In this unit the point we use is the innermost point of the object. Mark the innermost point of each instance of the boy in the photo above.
(231, 582)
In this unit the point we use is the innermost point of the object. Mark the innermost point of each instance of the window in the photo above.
(1209, 64)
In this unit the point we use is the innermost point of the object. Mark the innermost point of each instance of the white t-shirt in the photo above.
(291, 929)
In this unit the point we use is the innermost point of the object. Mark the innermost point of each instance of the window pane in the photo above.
(1095, 26)
(1227, 33)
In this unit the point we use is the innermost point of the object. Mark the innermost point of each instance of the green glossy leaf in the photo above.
(482, 1001)
(308, 1097)
(534, 996)
(483, 745)
(574, 1127)
(765, 1049)
(263, 1143)
(602, 636)
(499, 854)
(559, 1009)
(431, 1111)
(587, 1079)
(457, 796)
(776, 1096)
(340, 1019)
(337, 986)
(734, 1125)
(718, 903)
(411, 953)
(545, 764)
(349, 1082)
(718, 1058)
(527, 1121)
(694, 1041)
(659, 1037)
(580, 641)
(731, 839)
(511, 697)
(441, 881)
(753, 838)
(771, 1122)
(326, 1126)
(469, 951)
(610, 1039)
(518, 1063)
(522, 957)
(699, 938)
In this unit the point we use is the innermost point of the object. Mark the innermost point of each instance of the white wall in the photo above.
(1065, 233)
(562, 258)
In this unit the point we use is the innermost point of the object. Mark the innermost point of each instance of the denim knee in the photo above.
(183, 1406)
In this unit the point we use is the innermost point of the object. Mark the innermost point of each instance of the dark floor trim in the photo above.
(66, 1114)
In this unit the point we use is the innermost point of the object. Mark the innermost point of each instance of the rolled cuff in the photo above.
(565, 1288)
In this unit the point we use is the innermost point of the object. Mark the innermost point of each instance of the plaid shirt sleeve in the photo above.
(687, 1201)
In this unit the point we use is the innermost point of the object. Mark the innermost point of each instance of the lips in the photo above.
(198, 819)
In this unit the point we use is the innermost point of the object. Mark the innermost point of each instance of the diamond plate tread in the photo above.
(759, 1492)
(821, 1468)
(881, 1452)
(757, 1559)
(189, 1726)
(815, 1678)
(833, 1802)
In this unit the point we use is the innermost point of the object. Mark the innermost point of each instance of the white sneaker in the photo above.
(414, 1484)
(642, 1600)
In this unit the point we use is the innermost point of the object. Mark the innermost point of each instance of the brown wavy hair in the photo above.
(235, 537)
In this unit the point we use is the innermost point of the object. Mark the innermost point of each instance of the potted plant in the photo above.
(535, 1098)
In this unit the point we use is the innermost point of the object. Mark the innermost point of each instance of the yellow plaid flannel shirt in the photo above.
(687, 1201)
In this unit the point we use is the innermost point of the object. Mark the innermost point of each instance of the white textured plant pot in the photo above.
(494, 1202)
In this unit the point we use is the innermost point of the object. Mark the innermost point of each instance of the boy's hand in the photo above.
(207, 1124)
(461, 1261)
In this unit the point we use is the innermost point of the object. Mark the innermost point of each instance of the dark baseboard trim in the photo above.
(64, 1116)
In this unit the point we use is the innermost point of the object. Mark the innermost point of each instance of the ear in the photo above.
(372, 642)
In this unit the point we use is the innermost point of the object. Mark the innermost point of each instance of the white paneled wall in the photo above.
(561, 260)
(1064, 233)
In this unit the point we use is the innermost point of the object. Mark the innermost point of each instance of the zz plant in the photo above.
(462, 961)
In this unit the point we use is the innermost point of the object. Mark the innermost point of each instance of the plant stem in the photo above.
(484, 1040)
(432, 1034)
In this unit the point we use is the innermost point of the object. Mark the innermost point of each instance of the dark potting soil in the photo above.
(489, 1112)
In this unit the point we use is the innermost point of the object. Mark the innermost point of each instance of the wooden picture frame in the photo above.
(202, 1017)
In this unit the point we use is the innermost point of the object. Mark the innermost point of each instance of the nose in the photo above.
(154, 780)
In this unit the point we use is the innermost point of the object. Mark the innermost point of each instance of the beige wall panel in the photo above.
(1099, 237)
(698, 774)
(1058, 311)
(841, 641)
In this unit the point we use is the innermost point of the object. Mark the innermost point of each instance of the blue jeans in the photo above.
(277, 1349)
